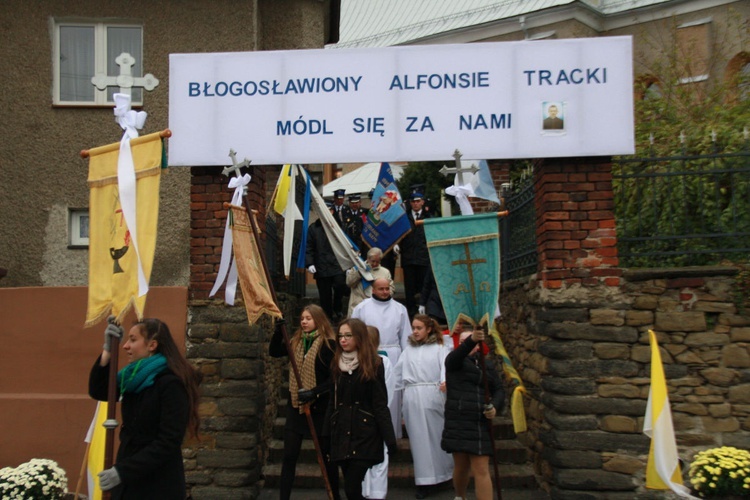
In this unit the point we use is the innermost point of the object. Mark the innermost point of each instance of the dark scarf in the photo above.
(140, 374)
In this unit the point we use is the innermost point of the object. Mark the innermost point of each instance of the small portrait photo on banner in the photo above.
(553, 116)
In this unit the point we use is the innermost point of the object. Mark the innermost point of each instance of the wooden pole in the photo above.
(292, 361)
(111, 423)
(490, 423)
(504, 213)
(85, 153)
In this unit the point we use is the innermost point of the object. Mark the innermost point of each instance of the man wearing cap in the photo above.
(415, 259)
(339, 209)
(354, 219)
(321, 262)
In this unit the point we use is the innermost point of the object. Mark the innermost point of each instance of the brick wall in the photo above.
(576, 235)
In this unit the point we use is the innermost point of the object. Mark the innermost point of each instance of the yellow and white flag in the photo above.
(113, 262)
(284, 204)
(96, 438)
(663, 467)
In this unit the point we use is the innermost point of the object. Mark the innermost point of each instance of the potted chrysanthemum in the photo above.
(721, 472)
(35, 479)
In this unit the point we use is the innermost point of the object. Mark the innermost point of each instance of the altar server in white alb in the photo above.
(420, 373)
(391, 319)
(375, 485)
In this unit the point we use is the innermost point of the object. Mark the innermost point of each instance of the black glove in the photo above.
(279, 324)
(112, 330)
(392, 452)
(305, 396)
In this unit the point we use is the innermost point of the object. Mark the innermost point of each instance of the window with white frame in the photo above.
(78, 228)
(84, 49)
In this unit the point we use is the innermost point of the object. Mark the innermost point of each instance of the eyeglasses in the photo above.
(345, 336)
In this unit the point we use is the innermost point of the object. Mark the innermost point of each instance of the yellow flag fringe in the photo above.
(517, 411)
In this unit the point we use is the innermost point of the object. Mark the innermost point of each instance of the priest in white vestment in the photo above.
(391, 319)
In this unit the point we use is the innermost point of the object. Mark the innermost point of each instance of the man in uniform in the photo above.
(339, 210)
(415, 259)
(354, 219)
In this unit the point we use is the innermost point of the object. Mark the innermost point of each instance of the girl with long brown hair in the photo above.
(313, 345)
(420, 373)
(159, 393)
(358, 421)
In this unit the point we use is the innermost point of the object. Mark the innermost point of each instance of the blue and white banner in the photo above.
(386, 221)
(571, 97)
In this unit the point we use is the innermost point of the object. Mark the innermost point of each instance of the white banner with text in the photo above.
(529, 99)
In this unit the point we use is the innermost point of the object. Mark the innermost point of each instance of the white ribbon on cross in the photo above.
(228, 265)
(462, 193)
(130, 121)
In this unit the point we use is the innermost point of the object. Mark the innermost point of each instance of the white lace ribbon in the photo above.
(130, 121)
(228, 266)
(462, 193)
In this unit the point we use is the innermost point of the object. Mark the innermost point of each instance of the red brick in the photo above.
(554, 284)
(551, 245)
(197, 242)
(596, 176)
(600, 215)
(200, 188)
(570, 206)
(571, 225)
(200, 251)
(607, 223)
(578, 235)
(555, 197)
(579, 254)
(579, 216)
(556, 254)
(552, 264)
(579, 177)
(599, 195)
(573, 281)
(197, 206)
(550, 206)
(612, 281)
(589, 224)
(590, 282)
(686, 283)
(608, 242)
(610, 251)
(571, 244)
(557, 215)
(611, 261)
(557, 235)
(579, 186)
(549, 177)
(605, 205)
(592, 262)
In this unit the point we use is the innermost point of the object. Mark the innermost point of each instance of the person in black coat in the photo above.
(358, 421)
(321, 262)
(159, 393)
(429, 300)
(467, 415)
(313, 346)
(415, 258)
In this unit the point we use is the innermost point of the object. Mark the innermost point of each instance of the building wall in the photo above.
(41, 173)
(45, 409)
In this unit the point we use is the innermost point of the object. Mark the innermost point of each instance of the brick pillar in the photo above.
(575, 222)
(209, 190)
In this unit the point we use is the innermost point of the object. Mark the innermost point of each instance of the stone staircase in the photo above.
(513, 461)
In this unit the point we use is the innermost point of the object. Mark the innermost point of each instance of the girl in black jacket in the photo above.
(313, 346)
(358, 421)
(159, 394)
(466, 432)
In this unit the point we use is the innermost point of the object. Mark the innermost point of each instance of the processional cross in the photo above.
(458, 169)
(469, 262)
(125, 80)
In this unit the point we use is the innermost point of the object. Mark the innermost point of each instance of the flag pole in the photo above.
(504, 213)
(111, 423)
(285, 335)
(490, 424)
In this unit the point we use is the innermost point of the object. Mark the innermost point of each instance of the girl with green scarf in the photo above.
(158, 390)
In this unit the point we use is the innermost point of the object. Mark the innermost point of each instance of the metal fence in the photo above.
(518, 251)
(682, 210)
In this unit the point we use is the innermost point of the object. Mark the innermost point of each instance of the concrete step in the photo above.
(508, 452)
(400, 475)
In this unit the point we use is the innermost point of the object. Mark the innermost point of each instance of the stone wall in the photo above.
(584, 355)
